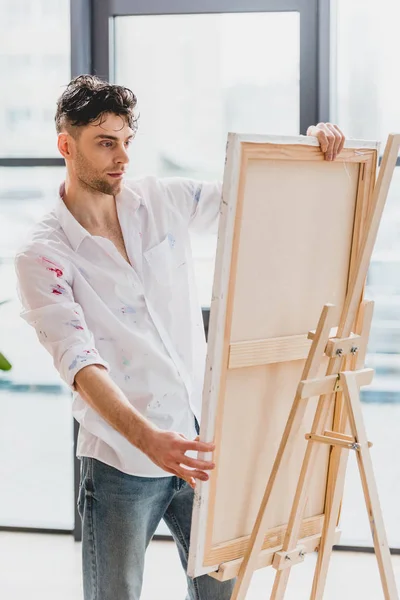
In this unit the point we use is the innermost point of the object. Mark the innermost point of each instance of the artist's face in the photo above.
(100, 154)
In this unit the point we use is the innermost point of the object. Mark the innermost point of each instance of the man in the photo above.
(106, 279)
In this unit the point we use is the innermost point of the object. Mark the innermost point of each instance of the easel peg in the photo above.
(287, 559)
(335, 439)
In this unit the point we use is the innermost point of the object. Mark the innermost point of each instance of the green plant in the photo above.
(4, 364)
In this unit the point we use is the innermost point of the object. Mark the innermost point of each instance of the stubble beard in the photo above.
(92, 181)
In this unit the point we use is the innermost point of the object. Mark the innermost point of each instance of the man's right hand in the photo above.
(167, 450)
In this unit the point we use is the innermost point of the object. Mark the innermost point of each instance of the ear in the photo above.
(65, 145)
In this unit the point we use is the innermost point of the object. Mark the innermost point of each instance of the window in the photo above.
(36, 428)
(34, 61)
(366, 107)
(191, 93)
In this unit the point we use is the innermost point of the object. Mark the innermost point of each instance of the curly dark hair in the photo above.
(88, 99)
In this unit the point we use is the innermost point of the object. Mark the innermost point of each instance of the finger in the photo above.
(186, 445)
(330, 137)
(186, 474)
(323, 140)
(343, 138)
(337, 141)
(321, 133)
(312, 131)
(197, 464)
(186, 477)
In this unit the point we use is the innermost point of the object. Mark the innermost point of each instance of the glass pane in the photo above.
(368, 81)
(36, 470)
(34, 63)
(26, 193)
(197, 77)
(36, 435)
(366, 101)
(381, 400)
(190, 93)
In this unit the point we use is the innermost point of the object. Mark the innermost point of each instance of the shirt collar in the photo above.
(74, 231)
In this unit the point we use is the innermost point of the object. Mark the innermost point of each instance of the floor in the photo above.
(47, 567)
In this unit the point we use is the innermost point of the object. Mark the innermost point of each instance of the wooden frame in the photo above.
(263, 549)
(223, 355)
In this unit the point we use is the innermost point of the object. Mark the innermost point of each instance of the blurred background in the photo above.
(199, 70)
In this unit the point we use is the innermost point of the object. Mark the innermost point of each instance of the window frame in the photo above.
(92, 51)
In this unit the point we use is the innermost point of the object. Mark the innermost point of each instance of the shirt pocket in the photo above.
(167, 261)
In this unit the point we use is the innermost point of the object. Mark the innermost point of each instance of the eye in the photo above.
(106, 144)
(128, 143)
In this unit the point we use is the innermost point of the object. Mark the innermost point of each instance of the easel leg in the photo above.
(294, 422)
(297, 512)
(331, 518)
(340, 421)
(338, 462)
(352, 395)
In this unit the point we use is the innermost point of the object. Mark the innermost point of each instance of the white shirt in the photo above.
(143, 322)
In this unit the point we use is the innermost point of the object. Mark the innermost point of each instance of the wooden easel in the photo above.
(344, 376)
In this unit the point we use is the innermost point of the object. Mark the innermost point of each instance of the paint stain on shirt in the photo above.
(75, 361)
(81, 358)
(73, 364)
(197, 193)
(154, 404)
(171, 240)
(51, 266)
(76, 324)
(94, 351)
(128, 310)
(58, 290)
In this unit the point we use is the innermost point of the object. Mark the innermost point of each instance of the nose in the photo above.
(123, 156)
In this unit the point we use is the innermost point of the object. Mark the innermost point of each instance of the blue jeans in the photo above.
(120, 514)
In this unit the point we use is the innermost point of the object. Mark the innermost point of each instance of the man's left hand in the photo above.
(330, 137)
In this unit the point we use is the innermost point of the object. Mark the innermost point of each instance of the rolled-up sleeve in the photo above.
(46, 295)
(198, 201)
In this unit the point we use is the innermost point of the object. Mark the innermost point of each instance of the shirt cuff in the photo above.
(76, 359)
